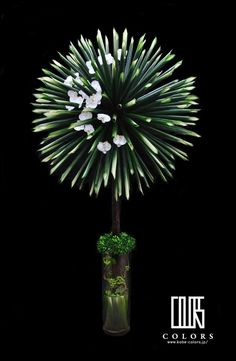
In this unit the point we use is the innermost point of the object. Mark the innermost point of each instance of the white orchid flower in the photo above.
(98, 97)
(69, 107)
(119, 140)
(104, 147)
(78, 100)
(85, 115)
(72, 94)
(119, 52)
(88, 128)
(79, 127)
(100, 60)
(68, 81)
(109, 59)
(93, 101)
(90, 67)
(83, 94)
(74, 98)
(104, 117)
(95, 84)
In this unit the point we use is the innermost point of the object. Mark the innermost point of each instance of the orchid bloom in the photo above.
(68, 81)
(74, 98)
(90, 67)
(104, 147)
(95, 84)
(88, 128)
(119, 52)
(79, 127)
(83, 94)
(93, 101)
(85, 115)
(109, 59)
(119, 140)
(69, 107)
(104, 117)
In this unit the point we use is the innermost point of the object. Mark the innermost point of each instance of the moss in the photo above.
(113, 244)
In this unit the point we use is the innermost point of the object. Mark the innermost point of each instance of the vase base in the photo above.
(116, 333)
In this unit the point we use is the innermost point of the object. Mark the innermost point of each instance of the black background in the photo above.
(51, 276)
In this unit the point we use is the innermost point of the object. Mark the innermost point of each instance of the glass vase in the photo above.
(116, 294)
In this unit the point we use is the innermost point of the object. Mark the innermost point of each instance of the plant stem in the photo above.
(115, 212)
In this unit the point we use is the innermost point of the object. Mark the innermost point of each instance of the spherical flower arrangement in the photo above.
(111, 114)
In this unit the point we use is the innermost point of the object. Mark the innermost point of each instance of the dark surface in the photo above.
(50, 270)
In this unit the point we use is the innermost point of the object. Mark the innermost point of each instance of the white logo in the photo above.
(187, 314)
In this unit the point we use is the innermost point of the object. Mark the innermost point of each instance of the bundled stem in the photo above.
(115, 212)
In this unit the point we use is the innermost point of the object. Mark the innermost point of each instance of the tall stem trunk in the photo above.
(115, 213)
(116, 296)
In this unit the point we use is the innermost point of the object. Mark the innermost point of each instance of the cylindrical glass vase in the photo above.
(116, 294)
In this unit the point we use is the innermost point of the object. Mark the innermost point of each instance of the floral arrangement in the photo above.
(113, 116)
(110, 115)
